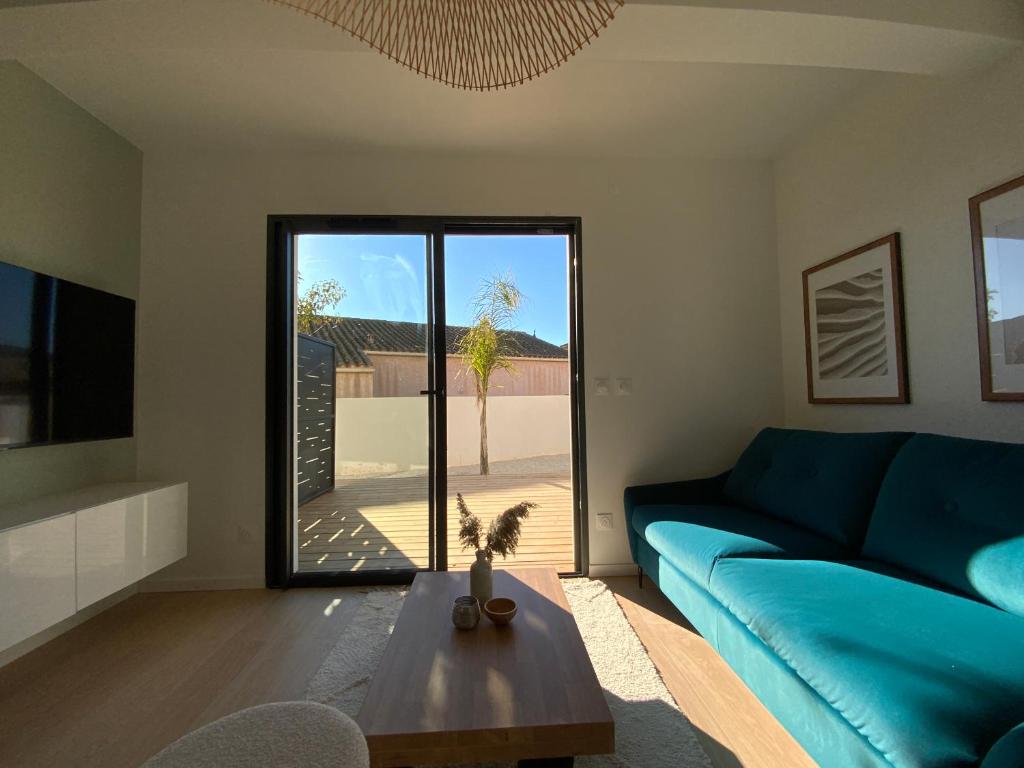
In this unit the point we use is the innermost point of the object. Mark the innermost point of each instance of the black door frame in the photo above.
(280, 417)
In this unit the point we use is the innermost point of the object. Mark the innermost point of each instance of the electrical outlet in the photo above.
(604, 522)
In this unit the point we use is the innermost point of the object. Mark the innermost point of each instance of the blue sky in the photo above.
(384, 276)
(1004, 264)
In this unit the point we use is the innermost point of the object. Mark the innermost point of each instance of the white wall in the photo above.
(380, 435)
(905, 159)
(518, 427)
(70, 198)
(679, 274)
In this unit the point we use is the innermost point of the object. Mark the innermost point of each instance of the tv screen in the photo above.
(67, 361)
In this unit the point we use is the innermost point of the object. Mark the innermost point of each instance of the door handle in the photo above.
(432, 391)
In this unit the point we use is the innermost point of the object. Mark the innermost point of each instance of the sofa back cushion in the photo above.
(826, 482)
(952, 510)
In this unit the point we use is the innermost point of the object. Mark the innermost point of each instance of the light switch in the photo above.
(601, 387)
(623, 386)
(604, 522)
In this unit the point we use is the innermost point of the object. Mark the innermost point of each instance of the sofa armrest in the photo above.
(706, 490)
(1008, 752)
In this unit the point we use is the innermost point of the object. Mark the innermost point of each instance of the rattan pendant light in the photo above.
(473, 44)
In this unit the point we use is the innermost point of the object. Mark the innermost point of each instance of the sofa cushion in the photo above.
(824, 481)
(928, 677)
(953, 510)
(694, 537)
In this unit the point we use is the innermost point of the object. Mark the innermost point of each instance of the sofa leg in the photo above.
(640, 576)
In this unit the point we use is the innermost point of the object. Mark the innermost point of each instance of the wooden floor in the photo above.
(382, 523)
(120, 687)
(732, 724)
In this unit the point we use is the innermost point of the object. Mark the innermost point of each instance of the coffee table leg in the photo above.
(548, 762)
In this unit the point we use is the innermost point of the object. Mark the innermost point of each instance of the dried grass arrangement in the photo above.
(502, 535)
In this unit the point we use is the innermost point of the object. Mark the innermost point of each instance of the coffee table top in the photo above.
(527, 690)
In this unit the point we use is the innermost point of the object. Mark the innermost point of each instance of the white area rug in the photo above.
(650, 731)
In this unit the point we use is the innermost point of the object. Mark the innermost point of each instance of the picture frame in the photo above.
(854, 335)
(997, 240)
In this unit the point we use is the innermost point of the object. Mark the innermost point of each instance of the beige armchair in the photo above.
(291, 734)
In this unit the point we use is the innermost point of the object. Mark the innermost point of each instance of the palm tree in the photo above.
(488, 346)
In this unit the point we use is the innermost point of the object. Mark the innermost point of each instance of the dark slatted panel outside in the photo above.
(315, 417)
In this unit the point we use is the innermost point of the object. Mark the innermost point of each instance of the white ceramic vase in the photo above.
(481, 578)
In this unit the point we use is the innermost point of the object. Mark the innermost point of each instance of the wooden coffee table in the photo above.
(526, 691)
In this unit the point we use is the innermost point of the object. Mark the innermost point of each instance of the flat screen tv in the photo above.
(67, 361)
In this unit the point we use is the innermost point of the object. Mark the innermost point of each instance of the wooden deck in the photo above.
(382, 523)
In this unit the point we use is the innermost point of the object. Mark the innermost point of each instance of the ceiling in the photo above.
(704, 78)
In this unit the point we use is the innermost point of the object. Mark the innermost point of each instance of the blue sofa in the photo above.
(868, 588)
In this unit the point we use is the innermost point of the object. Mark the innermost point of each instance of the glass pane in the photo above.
(362, 485)
(1002, 221)
(508, 405)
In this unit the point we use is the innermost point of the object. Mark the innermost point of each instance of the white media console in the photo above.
(63, 553)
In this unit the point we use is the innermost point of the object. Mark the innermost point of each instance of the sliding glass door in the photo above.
(366, 297)
(511, 440)
(376, 411)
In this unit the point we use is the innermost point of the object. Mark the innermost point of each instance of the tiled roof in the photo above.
(353, 337)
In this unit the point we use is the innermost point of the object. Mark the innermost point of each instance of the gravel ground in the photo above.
(556, 464)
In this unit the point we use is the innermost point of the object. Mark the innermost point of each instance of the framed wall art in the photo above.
(997, 235)
(853, 327)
